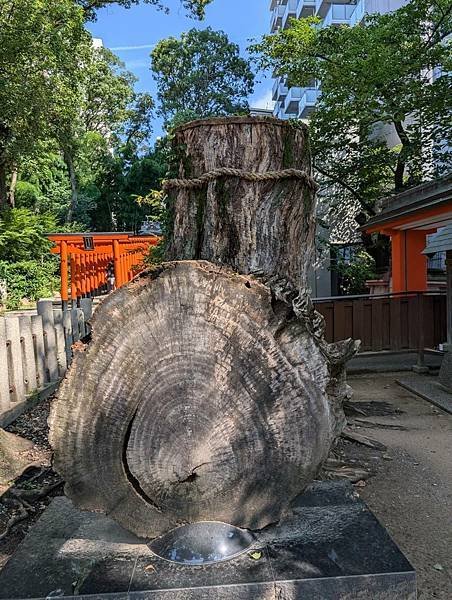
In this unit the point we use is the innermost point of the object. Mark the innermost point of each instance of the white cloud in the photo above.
(264, 101)
(129, 48)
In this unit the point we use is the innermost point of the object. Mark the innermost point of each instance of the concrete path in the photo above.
(412, 494)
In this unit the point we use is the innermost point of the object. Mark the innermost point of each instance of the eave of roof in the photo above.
(422, 197)
(440, 242)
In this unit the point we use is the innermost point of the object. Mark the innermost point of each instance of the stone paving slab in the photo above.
(329, 547)
(428, 388)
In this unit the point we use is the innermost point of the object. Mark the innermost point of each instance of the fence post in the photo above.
(420, 366)
(68, 338)
(4, 377)
(15, 363)
(29, 365)
(45, 309)
(37, 331)
(60, 340)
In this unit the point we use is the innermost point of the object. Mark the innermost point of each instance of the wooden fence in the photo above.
(405, 321)
(35, 348)
(35, 352)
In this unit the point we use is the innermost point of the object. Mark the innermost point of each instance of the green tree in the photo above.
(377, 79)
(195, 8)
(106, 103)
(201, 73)
(42, 47)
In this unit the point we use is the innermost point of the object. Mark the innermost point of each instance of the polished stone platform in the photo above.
(330, 548)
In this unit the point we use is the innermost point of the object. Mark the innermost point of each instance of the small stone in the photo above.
(387, 457)
(438, 567)
(256, 555)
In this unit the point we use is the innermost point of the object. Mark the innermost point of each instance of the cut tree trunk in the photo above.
(262, 226)
(207, 392)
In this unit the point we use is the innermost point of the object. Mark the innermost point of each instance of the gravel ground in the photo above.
(408, 485)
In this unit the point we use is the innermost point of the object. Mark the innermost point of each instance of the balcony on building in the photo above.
(292, 101)
(308, 102)
(276, 18)
(358, 13)
(339, 14)
(290, 12)
(323, 6)
(280, 89)
(306, 8)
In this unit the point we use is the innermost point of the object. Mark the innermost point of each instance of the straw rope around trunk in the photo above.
(214, 174)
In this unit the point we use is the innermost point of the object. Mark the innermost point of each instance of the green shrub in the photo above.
(22, 235)
(28, 279)
(355, 271)
(27, 195)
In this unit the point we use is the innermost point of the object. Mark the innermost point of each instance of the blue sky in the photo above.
(132, 33)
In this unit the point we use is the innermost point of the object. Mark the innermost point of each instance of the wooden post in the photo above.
(83, 275)
(64, 274)
(117, 263)
(409, 265)
(73, 279)
(78, 277)
(449, 296)
(421, 367)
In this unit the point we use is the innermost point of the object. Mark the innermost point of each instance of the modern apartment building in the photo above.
(298, 102)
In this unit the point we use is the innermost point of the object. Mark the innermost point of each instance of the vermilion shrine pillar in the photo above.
(409, 265)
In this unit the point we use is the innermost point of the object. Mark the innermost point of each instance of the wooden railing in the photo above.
(403, 321)
(35, 352)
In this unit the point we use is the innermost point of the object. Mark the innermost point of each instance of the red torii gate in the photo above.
(85, 258)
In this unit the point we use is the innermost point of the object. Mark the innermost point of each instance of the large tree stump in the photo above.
(205, 394)
(265, 226)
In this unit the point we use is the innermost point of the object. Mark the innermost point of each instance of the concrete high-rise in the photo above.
(298, 102)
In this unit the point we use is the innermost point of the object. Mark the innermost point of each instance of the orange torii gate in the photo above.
(85, 259)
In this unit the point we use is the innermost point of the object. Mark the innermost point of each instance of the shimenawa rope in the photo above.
(214, 174)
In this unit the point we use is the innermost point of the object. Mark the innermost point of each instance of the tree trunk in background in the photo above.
(207, 393)
(74, 184)
(266, 226)
(3, 188)
(12, 188)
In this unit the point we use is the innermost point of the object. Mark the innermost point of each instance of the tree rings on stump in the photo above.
(199, 397)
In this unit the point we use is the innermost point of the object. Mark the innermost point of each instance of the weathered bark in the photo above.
(265, 226)
(204, 393)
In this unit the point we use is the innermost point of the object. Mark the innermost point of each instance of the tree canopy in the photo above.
(195, 8)
(200, 75)
(382, 122)
(42, 46)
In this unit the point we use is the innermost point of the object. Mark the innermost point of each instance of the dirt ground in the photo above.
(412, 493)
(408, 484)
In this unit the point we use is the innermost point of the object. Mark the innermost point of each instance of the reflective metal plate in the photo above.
(202, 543)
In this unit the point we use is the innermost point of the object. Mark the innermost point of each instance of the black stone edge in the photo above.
(263, 584)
